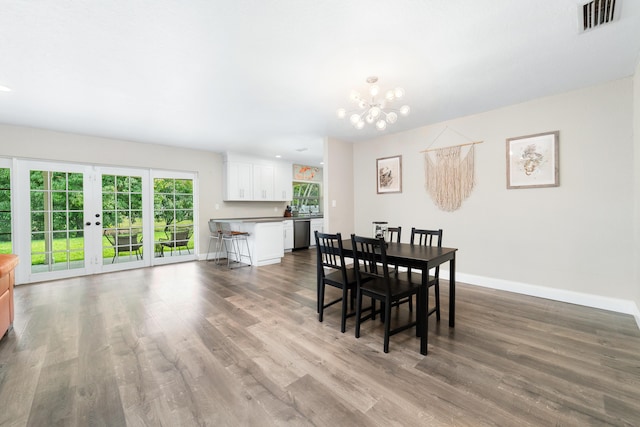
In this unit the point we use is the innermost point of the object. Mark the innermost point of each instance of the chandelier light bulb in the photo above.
(373, 110)
(390, 95)
(392, 117)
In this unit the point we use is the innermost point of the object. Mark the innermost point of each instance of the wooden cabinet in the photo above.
(253, 179)
(317, 224)
(287, 234)
(8, 264)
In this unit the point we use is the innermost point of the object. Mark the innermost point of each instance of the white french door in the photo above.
(76, 219)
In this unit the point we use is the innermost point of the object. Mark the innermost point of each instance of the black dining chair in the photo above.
(334, 272)
(373, 280)
(424, 237)
(394, 233)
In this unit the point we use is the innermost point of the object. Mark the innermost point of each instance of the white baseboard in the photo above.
(589, 300)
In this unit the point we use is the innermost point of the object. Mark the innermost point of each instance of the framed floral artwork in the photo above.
(532, 161)
(389, 175)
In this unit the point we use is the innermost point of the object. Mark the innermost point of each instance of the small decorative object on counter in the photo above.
(287, 212)
(379, 229)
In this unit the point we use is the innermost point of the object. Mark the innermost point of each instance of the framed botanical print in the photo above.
(532, 161)
(389, 175)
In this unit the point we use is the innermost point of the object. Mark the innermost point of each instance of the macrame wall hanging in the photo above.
(449, 179)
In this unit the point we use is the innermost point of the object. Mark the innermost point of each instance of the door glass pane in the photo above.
(173, 215)
(5, 211)
(121, 219)
(57, 238)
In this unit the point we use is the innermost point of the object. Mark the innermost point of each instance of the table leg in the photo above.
(452, 291)
(422, 310)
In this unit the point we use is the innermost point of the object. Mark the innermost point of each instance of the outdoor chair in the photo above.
(124, 241)
(177, 238)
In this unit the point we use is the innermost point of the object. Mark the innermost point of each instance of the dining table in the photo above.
(422, 258)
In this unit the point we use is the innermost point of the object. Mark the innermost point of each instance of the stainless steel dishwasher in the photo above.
(301, 233)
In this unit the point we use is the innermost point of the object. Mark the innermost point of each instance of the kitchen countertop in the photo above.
(269, 218)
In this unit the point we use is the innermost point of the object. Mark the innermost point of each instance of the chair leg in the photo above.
(321, 304)
(437, 292)
(387, 324)
(345, 303)
(246, 241)
(358, 312)
(219, 245)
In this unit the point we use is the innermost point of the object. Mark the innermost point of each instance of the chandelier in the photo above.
(372, 109)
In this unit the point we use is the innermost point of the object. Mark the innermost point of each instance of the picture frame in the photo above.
(532, 161)
(389, 175)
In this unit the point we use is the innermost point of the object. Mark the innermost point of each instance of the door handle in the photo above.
(97, 222)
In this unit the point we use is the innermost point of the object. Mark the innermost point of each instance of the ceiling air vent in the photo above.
(596, 13)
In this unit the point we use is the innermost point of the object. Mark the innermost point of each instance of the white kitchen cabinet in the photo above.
(287, 232)
(237, 181)
(283, 182)
(263, 182)
(317, 224)
(253, 179)
(265, 241)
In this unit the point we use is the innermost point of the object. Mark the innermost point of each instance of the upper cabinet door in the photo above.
(239, 181)
(263, 182)
(283, 182)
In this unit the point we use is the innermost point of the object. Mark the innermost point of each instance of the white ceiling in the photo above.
(266, 76)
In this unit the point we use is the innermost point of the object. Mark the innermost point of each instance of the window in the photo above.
(306, 197)
(5, 211)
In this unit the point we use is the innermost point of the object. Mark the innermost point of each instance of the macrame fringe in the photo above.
(449, 180)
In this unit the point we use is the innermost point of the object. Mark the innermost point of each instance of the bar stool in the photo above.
(231, 238)
(216, 236)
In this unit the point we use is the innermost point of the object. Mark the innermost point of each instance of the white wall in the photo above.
(571, 242)
(338, 187)
(22, 142)
(636, 144)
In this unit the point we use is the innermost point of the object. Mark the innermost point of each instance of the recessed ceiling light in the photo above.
(322, 163)
(278, 156)
(4, 89)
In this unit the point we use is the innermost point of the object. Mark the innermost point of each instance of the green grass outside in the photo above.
(76, 248)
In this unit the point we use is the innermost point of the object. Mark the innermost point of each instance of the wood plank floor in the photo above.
(195, 344)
